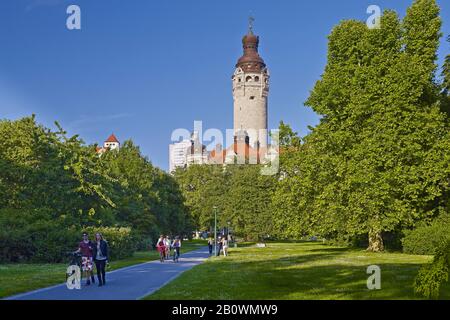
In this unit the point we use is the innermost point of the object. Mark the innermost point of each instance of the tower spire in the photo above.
(251, 20)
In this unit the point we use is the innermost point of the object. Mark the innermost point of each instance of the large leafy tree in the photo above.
(372, 164)
(248, 202)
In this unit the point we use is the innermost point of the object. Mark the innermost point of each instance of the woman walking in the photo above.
(220, 246)
(101, 257)
(210, 245)
(225, 246)
(85, 247)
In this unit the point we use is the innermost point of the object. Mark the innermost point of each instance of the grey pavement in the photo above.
(130, 283)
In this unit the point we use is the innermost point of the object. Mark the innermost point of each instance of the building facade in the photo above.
(177, 154)
(112, 143)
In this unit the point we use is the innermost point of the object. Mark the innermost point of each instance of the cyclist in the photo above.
(167, 247)
(160, 246)
(176, 245)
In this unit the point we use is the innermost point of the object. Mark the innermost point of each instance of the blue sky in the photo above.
(142, 68)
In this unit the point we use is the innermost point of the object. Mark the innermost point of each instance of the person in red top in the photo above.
(161, 247)
(85, 247)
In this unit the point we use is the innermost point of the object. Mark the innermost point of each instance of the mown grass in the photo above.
(297, 271)
(19, 278)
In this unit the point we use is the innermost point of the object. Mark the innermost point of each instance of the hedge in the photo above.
(33, 236)
(426, 238)
(120, 240)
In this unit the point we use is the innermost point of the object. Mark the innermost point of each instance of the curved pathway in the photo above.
(130, 283)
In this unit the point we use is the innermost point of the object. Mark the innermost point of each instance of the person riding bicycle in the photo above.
(176, 245)
(167, 247)
(160, 246)
(85, 247)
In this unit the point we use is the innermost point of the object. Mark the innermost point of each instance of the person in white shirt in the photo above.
(167, 245)
(225, 246)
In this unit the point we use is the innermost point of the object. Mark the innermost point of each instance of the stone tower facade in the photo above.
(250, 93)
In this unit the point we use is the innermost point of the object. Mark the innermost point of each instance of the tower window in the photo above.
(239, 79)
(252, 98)
(256, 79)
(248, 79)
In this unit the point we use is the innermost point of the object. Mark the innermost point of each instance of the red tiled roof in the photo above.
(112, 138)
(239, 149)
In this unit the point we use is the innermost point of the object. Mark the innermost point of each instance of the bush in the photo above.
(431, 276)
(121, 242)
(425, 238)
(34, 236)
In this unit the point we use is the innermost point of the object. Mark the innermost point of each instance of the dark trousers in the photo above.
(219, 249)
(210, 248)
(176, 253)
(100, 266)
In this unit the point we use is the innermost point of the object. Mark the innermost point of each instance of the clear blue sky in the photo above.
(142, 68)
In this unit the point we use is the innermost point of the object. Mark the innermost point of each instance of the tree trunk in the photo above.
(375, 242)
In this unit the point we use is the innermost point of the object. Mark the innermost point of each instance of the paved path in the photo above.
(128, 283)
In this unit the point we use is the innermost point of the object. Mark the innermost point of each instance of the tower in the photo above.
(250, 92)
(111, 143)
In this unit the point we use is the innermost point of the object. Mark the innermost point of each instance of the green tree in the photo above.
(372, 164)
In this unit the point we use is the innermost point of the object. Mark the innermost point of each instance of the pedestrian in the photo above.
(176, 245)
(85, 247)
(101, 258)
(225, 246)
(220, 247)
(210, 245)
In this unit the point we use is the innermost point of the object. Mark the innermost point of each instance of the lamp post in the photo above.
(215, 231)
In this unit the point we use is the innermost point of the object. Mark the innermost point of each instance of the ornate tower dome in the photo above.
(250, 61)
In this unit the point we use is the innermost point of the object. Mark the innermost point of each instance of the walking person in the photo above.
(176, 245)
(210, 245)
(85, 247)
(101, 258)
(220, 247)
(225, 246)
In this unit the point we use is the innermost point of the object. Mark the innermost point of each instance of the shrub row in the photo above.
(426, 238)
(32, 236)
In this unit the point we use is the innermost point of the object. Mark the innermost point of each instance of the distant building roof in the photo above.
(112, 138)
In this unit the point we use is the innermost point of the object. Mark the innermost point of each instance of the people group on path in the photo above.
(222, 245)
(94, 251)
(97, 252)
(164, 247)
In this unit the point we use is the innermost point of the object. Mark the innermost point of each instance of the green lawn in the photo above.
(18, 278)
(297, 271)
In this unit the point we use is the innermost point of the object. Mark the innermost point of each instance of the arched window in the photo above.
(248, 79)
(256, 79)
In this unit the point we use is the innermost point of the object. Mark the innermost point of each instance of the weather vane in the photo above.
(250, 24)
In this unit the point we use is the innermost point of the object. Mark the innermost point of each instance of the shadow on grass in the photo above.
(316, 274)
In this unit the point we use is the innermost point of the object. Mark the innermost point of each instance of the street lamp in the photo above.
(215, 231)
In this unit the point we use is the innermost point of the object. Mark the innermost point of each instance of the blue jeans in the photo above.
(176, 253)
